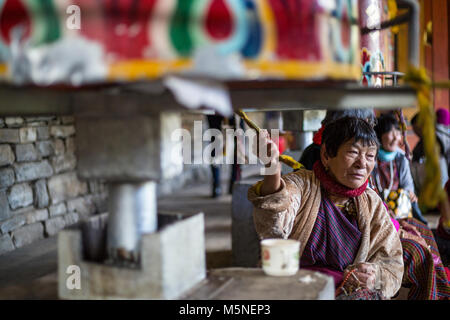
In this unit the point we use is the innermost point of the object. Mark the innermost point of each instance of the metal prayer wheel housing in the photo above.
(132, 209)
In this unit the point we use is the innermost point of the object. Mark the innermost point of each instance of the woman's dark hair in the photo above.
(340, 131)
(385, 123)
(365, 114)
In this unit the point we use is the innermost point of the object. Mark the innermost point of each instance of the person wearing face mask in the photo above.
(424, 272)
(343, 227)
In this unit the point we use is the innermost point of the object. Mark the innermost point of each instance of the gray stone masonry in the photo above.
(57, 209)
(26, 152)
(6, 177)
(45, 148)
(32, 170)
(9, 136)
(6, 155)
(28, 234)
(62, 131)
(41, 198)
(5, 212)
(6, 244)
(43, 133)
(54, 225)
(40, 193)
(36, 216)
(65, 186)
(12, 224)
(21, 195)
(14, 122)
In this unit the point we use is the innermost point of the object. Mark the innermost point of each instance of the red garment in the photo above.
(317, 139)
(334, 187)
(384, 173)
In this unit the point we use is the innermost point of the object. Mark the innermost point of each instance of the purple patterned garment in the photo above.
(334, 240)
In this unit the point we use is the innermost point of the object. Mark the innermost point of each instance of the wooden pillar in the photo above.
(440, 54)
(427, 50)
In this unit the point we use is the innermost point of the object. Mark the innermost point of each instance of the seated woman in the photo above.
(424, 273)
(442, 233)
(343, 226)
(392, 171)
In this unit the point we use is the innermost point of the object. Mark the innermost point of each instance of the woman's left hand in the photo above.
(364, 276)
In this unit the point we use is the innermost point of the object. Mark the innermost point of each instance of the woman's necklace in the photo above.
(349, 208)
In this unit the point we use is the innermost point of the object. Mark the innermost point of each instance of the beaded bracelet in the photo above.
(341, 287)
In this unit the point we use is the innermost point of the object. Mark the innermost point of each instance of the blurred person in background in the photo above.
(418, 153)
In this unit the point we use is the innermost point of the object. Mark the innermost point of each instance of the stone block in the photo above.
(9, 135)
(6, 155)
(54, 225)
(14, 122)
(22, 210)
(70, 145)
(6, 244)
(63, 163)
(62, 131)
(37, 124)
(45, 148)
(6, 177)
(12, 224)
(28, 234)
(20, 195)
(43, 133)
(26, 152)
(58, 147)
(244, 239)
(5, 212)
(36, 216)
(71, 218)
(45, 119)
(41, 198)
(108, 149)
(172, 262)
(32, 170)
(27, 134)
(83, 206)
(65, 186)
(57, 209)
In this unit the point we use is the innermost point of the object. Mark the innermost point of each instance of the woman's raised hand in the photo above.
(267, 151)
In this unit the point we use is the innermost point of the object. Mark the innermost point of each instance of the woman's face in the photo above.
(391, 140)
(353, 163)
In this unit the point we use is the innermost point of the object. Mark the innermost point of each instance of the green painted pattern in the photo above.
(45, 21)
(179, 28)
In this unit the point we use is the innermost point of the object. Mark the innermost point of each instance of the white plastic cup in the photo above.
(280, 257)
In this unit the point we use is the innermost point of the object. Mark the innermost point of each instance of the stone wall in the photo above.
(39, 190)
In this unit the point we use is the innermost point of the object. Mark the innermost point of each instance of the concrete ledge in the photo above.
(172, 261)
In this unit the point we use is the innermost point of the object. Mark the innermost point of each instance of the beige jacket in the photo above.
(292, 212)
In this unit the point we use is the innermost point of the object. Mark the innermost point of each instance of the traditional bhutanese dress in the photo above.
(334, 241)
(424, 273)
